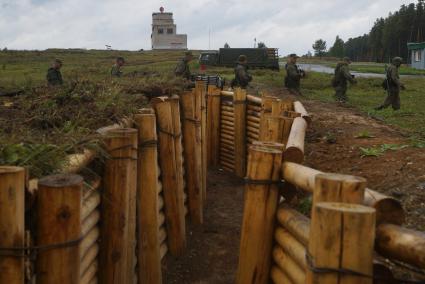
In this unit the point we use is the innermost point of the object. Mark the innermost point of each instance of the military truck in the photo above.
(228, 57)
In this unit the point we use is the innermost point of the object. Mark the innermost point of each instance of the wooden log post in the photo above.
(295, 223)
(191, 114)
(59, 205)
(260, 206)
(239, 104)
(287, 129)
(278, 276)
(295, 147)
(402, 244)
(12, 223)
(171, 173)
(294, 272)
(119, 207)
(201, 91)
(213, 126)
(298, 107)
(339, 188)
(389, 210)
(148, 257)
(271, 128)
(291, 246)
(341, 237)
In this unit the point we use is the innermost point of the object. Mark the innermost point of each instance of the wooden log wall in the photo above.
(118, 229)
(12, 223)
(90, 229)
(151, 234)
(261, 200)
(227, 133)
(171, 163)
(192, 139)
(59, 222)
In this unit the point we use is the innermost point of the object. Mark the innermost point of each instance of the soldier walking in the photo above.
(393, 85)
(182, 69)
(242, 76)
(116, 68)
(293, 75)
(341, 77)
(54, 76)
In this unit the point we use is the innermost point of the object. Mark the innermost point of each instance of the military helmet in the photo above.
(347, 59)
(58, 61)
(293, 55)
(397, 60)
(242, 59)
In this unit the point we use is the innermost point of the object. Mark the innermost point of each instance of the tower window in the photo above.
(160, 31)
(169, 31)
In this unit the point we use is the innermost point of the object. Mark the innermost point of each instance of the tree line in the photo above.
(387, 38)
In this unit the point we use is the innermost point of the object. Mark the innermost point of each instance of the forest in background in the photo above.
(387, 38)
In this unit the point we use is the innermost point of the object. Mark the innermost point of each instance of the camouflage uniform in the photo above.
(242, 77)
(54, 77)
(293, 78)
(393, 86)
(342, 76)
(182, 69)
(116, 71)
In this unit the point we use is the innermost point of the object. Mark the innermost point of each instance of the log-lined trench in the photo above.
(213, 248)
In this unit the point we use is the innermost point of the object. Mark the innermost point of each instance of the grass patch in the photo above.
(368, 94)
(379, 151)
(364, 135)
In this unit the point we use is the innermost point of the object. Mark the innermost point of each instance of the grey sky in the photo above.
(290, 25)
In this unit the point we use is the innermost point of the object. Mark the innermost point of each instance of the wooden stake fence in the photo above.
(170, 160)
(261, 198)
(119, 208)
(148, 202)
(59, 229)
(346, 245)
(388, 208)
(192, 133)
(213, 126)
(12, 223)
(201, 91)
(239, 105)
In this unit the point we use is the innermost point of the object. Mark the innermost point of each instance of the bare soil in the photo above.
(331, 146)
(213, 249)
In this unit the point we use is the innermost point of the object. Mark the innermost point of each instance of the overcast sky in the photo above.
(290, 25)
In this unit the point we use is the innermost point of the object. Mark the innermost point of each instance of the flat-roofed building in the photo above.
(164, 32)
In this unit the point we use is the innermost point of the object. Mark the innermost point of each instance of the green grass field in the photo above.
(368, 94)
(51, 123)
(21, 69)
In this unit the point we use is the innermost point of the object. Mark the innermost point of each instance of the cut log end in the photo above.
(341, 178)
(61, 180)
(345, 207)
(9, 170)
(122, 131)
(146, 111)
(294, 155)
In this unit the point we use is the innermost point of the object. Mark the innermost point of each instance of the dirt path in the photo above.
(213, 249)
(331, 146)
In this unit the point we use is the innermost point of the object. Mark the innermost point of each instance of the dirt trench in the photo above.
(332, 145)
(213, 248)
